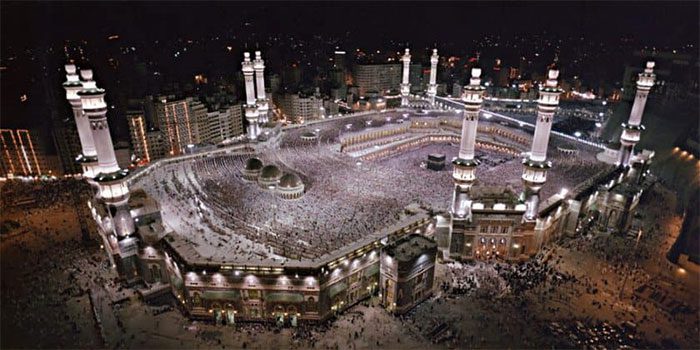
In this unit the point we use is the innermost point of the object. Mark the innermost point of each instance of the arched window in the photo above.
(155, 273)
(196, 300)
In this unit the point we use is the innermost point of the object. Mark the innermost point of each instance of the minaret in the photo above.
(633, 128)
(251, 110)
(109, 177)
(464, 173)
(536, 164)
(405, 85)
(88, 156)
(432, 87)
(263, 105)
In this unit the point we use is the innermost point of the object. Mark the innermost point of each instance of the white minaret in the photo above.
(109, 177)
(251, 109)
(405, 85)
(88, 156)
(263, 105)
(432, 87)
(633, 128)
(536, 164)
(464, 173)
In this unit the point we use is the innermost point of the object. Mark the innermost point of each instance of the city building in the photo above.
(138, 134)
(22, 154)
(377, 77)
(301, 106)
(176, 119)
(407, 275)
(221, 124)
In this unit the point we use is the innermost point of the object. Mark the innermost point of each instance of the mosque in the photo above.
(312, 272)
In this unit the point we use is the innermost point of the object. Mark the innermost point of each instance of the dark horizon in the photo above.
(653, 23)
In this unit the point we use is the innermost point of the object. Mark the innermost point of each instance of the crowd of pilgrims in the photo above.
(48, 267)
(44, 193)
(493, 279)
(344, 200)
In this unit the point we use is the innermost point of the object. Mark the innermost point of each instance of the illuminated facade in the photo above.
(177, 120)
(300, 107)
(228, 292)
(377, 78)
(407, 272)
(20, 157)
(139, 138)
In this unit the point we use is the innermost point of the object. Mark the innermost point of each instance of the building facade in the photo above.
(377, 77)
(22, 154)
(407, 272)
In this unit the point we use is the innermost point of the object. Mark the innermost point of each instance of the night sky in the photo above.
(663, 23)
(451, 26)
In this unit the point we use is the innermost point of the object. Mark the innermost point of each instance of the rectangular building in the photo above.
(407, 272)
(378, 78)
(21, 154)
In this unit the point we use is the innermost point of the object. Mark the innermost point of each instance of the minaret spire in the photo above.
(405, 85)
(432, 87)
(88, 156)
(464, 173)
(263, 106)
(536, 164)
(109, 177)
(251, 109)
(633, 128)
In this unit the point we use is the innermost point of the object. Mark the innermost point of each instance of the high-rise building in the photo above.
(222, 124)
(139, 140)
(415, 77)
(302, 106)
(339, 60)
(377, 77)
(22, 154)
(177, 121)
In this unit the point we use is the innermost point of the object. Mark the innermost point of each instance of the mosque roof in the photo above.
(253, 164)
(290, 180)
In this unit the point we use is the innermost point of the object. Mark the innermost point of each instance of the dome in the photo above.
(290, 181)
(253, 164)
(270, 172)
(308, 134)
